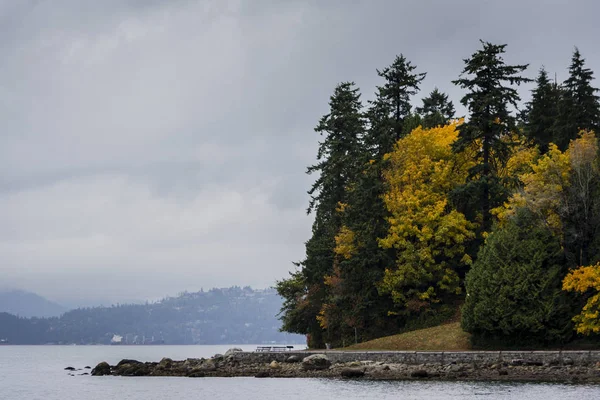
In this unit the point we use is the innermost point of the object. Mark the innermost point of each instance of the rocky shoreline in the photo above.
(236, 363)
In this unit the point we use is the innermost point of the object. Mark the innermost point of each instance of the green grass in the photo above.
(448, 337)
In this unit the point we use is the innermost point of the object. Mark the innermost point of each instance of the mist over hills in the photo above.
(219, 316)
(27, 304)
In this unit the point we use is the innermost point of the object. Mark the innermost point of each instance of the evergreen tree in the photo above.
(437, 110)
(486, 76)
(364, 216)
(579, 105)
(389, 118)
(304, 292)
(514, 288)
(541, 113)
(391, 108)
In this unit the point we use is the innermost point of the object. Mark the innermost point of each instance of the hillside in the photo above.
(447, 337)
(218, 316)
(26, 304)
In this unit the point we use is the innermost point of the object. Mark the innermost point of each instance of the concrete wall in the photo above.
(433, 357)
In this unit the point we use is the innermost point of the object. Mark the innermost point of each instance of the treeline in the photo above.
(218, 316)
(419, 213)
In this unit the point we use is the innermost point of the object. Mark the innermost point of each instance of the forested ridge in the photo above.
(217, 316)
(420, 214)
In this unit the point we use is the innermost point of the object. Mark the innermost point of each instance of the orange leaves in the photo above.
(581, 280)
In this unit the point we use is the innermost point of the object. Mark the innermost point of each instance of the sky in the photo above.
(149, 147)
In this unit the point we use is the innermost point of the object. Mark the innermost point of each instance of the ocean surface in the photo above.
(37, 373)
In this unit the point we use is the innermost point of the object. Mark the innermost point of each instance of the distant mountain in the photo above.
(219, 316)
(26, 304)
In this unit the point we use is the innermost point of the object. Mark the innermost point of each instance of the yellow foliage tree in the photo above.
(546, 183)
(543, 189)
(344, 243)
(581, 280)
(523, 156)
(427, 233)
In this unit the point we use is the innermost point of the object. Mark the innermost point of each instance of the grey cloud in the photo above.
(150, 147)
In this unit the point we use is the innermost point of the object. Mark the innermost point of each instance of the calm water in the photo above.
(36, 372)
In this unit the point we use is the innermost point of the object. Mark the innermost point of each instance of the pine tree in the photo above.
(305, 291)
(391, 107)
(437, 110)
(389, 118)
(541, 113)
(486, 76)
(579, 105)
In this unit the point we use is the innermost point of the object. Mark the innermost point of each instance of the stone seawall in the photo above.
(554, 366)
(578, 358)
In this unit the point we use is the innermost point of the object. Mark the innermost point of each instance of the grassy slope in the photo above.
(449, 337)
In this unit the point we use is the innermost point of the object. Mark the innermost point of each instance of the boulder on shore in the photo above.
(165, 363)
(131, 368)
(316, 362)
(232, 351)
(352, 372)
(293, 359)
(126, 361)
(101, 369)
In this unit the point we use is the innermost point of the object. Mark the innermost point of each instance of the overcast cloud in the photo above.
(151, 147)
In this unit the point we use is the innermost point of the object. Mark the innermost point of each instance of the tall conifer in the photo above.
(305, 291)
(579, 105)
(541, 113)
(488, 81)
(437, 110)
(389, 118)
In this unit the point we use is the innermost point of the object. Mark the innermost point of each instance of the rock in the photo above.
(502, 372)
(352, 373)
(87, 367)
(293, 359)
(568, 361)
(262, 374)
(69, 369)
(517, 362)
(316, 362)
(217, 357)
(232, 351)
(165, 363)
(192, 362)
(197, 374)
(208, 365)
(355, 364)
(132, 368)
(126, 361)
(101, 369)
(274, 365)
(85, 373)
(455, 368)
(419, 373)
